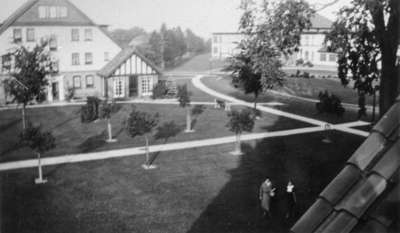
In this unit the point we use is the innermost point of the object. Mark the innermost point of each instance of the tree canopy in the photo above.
(38, 140)
(240, 121)
(140, 123)
(366, 38)
(183, 96)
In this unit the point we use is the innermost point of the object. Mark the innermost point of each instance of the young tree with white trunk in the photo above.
(39, 142)
(142, 124)
(183, 96)
(240, 121)
(106, 111)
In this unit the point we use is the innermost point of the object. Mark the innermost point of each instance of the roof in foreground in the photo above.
(364, 196)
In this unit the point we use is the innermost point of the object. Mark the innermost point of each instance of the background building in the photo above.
(312, 49)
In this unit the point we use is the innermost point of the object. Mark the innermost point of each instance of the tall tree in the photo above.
(272, 30)
(366, 37)
(29, 77)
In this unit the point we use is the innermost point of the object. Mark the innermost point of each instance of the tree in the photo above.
(366, 38)
(106, 110)
(272, 31)
(29, 77)
(124, 36)
(142, 124)
(39, 142)
(183, 96)
(239, 122)
(196, 111)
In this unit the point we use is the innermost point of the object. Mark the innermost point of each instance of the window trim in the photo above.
(87, 55)
(86, 81)
(323, 55)
(77, 56)
(74, 83)
(86, 33)
(28, 39)
(73, 39)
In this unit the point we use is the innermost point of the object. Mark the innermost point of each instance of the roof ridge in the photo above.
(16, 14)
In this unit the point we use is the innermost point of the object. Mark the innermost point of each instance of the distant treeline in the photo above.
(167, 47)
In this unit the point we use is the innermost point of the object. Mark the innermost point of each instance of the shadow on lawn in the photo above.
(10, 124)
(93, 142)
(304, 159)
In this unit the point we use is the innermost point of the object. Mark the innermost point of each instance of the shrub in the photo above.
(90, 111)
(330, 103)
(306, 75)
(299, 62)
(309, 64)
(297, 73)
(70, 94)
(160, 91)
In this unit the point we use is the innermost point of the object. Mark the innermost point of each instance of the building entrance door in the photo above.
(133, 86)
(55, 91)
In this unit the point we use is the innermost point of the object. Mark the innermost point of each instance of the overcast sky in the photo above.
(202, 16)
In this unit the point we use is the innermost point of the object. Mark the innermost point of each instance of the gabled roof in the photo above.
(319, 21)
(364, 196)
(125, 54)
(22, 17)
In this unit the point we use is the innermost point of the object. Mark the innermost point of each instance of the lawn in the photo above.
(292, 105)
(196, 94)
(199, 63)
(73, 137)
(192, 191)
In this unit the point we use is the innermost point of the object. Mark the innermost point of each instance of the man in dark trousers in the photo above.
(291, 200)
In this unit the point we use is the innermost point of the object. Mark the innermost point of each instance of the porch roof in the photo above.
(129, 62)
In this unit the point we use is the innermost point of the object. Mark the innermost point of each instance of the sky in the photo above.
(201, 16)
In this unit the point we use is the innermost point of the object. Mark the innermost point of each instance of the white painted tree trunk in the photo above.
(23, 118)
(188, 121)
(109, 129)
(237, 149)
(147, 151)
(40, 179)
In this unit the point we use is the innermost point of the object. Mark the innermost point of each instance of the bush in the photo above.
(306, 75)
(70, 94)
(297, 73)
(309, 64)
(160, 91)
(299, 62)
(90, 111)
(330, 103)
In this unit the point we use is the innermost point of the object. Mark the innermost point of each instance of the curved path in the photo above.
(198, 84)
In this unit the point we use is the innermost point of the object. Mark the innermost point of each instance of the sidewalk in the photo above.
(163, 147)
(198, 84)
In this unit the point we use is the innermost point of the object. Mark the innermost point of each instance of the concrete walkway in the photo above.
(101, 155)
(198, 84)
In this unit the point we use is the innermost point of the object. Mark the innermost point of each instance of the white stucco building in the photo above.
(79, 46)
(224, 44)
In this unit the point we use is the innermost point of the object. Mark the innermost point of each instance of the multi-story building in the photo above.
(80, 47)
(311, 49)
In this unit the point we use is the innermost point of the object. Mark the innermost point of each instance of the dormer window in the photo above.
(52, 12)
(17, 35)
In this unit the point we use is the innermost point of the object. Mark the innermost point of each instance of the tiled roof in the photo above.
(120, 58)
(364, 196)
(16, 14)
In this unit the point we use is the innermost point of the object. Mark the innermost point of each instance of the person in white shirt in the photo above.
(291, 200)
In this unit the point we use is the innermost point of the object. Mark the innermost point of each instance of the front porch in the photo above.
(129, 75)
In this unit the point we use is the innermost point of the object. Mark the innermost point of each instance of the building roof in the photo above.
(26, 15)
(363, 197)
(320, 22)
(125, 54)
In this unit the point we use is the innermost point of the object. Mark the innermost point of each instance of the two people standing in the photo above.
(267, 192)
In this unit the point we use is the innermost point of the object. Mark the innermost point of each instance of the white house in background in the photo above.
(224, 44)
(79, 46)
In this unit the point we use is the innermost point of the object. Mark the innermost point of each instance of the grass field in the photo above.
(72, 136)
(199, 63)
(292, 105)
(192, 191)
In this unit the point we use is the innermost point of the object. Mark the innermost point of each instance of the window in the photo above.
(17, 35)
(62, 12)
(6, 63)
(77, 81)
(88, 58)
(215, 49)
(75, 34)
(215, 39)
(332, 57)
(53, 12)
(89, 81)
(88, 34)
(306, 40)
(75, 59)
(323, 57)
(306, 55)
(43, 12)
(30, 34)
(53, 43)
(106, 56)
(146, 85)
